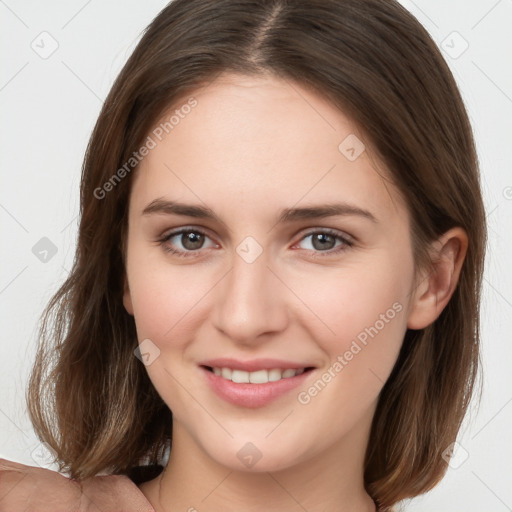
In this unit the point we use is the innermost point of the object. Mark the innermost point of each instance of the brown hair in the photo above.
(92, 401)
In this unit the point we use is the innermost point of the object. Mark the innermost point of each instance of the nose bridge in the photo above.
(250, 300)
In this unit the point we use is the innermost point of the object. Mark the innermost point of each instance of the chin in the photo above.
(254, 457)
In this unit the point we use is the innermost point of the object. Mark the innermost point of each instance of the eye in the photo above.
(323, 242)
(192, 240)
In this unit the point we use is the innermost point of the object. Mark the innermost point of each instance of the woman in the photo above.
(281, 241)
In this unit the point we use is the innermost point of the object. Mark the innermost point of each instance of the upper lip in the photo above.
(253, 365)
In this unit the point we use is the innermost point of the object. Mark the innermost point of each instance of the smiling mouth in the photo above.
(257, 377)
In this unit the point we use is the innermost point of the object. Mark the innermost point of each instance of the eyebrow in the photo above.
(162, 206)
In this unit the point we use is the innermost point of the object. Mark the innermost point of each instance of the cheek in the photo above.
(366, 317)
(344, 304)
(166, 297)
(167, 303)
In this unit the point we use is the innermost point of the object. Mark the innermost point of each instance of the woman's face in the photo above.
(263, 272)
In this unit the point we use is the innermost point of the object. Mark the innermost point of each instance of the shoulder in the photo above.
(31, 488)
(22, 485)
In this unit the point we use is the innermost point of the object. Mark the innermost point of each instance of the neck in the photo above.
(328, 481)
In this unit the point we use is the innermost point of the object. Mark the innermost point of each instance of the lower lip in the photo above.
(252, 395)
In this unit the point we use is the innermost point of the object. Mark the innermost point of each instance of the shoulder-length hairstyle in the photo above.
(90, 399)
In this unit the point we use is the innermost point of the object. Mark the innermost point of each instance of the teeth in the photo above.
(257, 377)
(274, 375)
(240, 377)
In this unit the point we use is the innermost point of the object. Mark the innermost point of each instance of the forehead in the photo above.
(263, 140)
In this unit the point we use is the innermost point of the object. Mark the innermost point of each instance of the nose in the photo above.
(250, 302)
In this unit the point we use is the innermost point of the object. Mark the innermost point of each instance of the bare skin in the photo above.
(250, 148)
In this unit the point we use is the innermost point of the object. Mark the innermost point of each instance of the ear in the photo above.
(436, 288)
(127, 297)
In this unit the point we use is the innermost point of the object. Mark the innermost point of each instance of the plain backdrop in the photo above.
(58, 61)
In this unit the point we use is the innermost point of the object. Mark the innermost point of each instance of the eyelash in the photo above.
(190, 254)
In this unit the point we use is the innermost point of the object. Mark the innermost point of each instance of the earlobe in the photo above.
(436, 289)
(127, 298)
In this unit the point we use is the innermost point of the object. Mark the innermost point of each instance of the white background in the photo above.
(48, 109)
